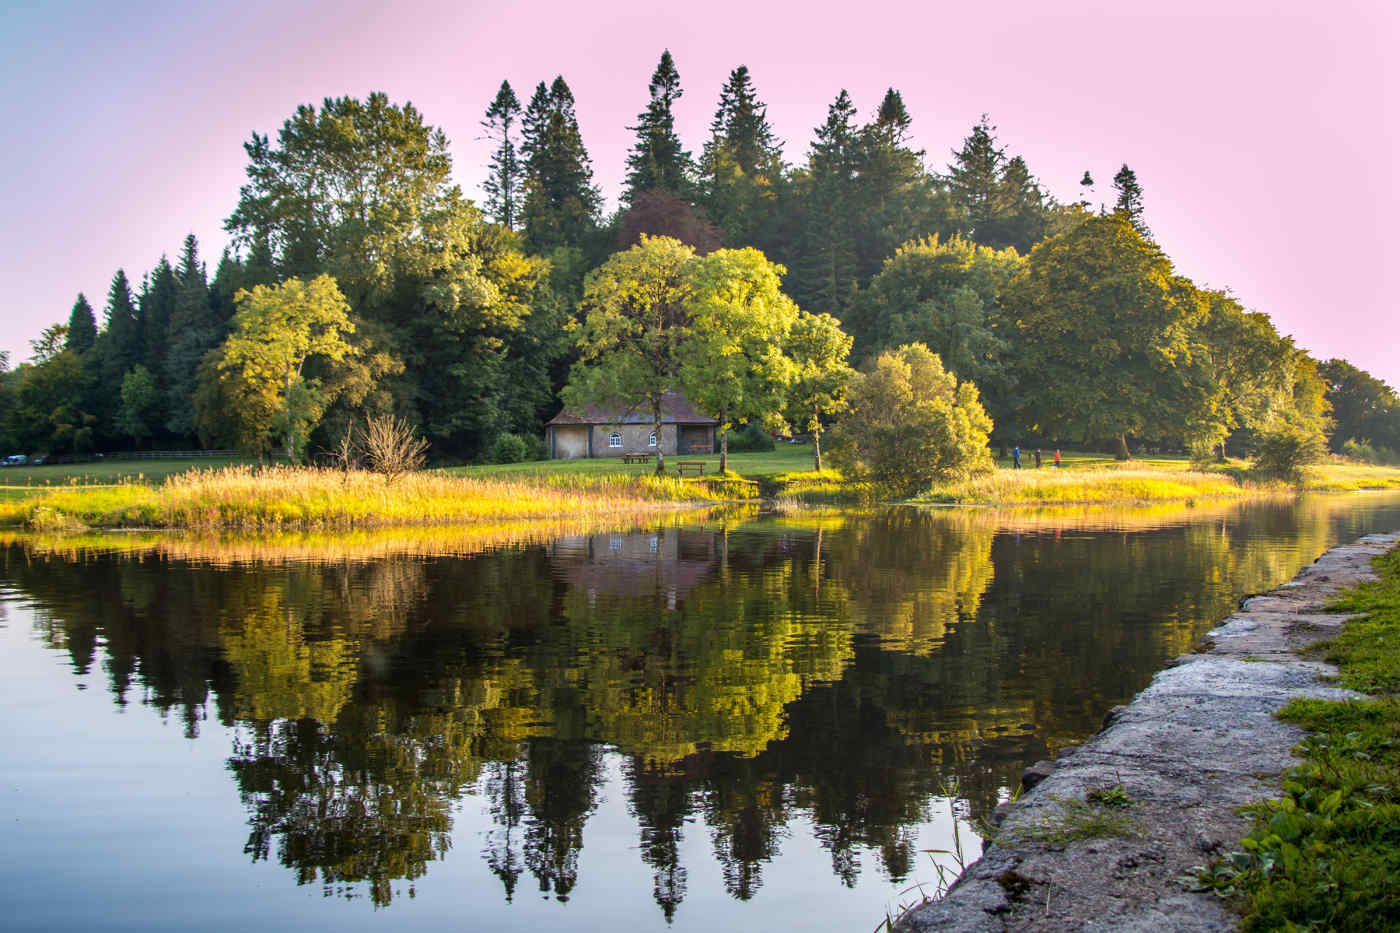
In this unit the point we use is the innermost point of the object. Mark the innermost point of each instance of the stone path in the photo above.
(1199, 742)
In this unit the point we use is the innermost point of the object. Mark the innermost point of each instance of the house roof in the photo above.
(675, 409)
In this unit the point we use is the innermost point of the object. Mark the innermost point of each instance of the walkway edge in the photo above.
(1198, 743)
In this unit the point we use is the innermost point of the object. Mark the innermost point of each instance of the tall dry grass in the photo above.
(281, 498)
(1118, 484)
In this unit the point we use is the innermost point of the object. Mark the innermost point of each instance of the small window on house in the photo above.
(614, 439)
(651, 441)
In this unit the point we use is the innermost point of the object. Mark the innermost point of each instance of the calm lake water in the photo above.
(742, 725)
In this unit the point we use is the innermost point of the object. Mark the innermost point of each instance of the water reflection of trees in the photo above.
(845, 674)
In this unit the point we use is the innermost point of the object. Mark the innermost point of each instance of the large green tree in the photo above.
(276, 330)
(824, 269)
(504, 176)
(1364, 408)
(946, 294)
(82, 327)
(193, 332)
(636, 318)
(819, 379)
(741, 167)
(733, 365)
(658, 160)
(346, 191)
(1109, 343)
(911, 424)
(560, 207)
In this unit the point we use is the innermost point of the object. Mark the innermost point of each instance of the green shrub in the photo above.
(1367, 452)
(912, 424)
(750, 438)
(1286, 451)
(509, 448)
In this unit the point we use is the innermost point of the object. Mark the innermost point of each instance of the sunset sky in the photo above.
(1264, 133)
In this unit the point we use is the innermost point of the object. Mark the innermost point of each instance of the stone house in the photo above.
(598, 432)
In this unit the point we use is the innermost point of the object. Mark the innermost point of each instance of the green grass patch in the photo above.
(1325, 855)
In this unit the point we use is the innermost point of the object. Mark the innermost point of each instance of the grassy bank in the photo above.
(1326, 855)
(277, 498)
(191, 494)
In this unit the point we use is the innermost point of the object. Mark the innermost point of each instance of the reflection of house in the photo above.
(665, 564)
(599, 432)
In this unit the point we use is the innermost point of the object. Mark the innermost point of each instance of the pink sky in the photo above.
(1264, 133)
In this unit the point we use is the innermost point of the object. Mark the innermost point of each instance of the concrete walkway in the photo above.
(1199, 742)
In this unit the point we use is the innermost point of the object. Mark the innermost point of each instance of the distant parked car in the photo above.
(16, 460)
(39, 461)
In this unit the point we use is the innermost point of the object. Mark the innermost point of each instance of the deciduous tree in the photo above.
(276, 330)
(733, 366)
(819, 378)
(636, 318)
(912, 424)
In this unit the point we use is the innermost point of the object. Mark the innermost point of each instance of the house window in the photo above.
(614, 439)
(651, 441)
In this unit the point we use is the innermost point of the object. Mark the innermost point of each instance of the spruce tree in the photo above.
(825, 274)
(502, 184)
(975, 180)
(82, 327)
(155, 308)
(740, 126)
(122, 326)
(1129, 202)
(192, 333)
(741, 167)
(657, 159)
(560, 206)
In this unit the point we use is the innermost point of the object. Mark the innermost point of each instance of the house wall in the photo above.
(634, 439)
(570, 441)
(697, 439)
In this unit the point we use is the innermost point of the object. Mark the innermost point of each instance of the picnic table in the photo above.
(637, 458)
(690, 468)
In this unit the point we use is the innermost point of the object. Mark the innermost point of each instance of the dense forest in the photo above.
(462, 318)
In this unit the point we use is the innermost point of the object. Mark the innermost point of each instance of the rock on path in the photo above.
(1199, 742)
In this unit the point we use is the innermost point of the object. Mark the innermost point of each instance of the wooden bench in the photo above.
(690, 468)
(637, 458)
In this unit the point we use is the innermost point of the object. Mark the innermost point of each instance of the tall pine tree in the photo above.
(657, 159)
(193, 332)
(122, 326)
(824, 272)
(82, 327)
(1129, 201)
(503, 182)
(742, 165)
(560, 206)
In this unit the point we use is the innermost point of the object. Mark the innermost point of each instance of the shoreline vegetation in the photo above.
(261, 499)
(1323, 855)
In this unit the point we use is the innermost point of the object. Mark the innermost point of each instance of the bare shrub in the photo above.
(391, 446)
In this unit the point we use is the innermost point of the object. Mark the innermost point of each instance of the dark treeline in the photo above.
(1071, 321)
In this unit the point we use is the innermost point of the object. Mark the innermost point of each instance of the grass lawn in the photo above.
(1325, 855)
(111, 470)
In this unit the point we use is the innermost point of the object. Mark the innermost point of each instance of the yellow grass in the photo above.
(1126, 483)
(277, 498)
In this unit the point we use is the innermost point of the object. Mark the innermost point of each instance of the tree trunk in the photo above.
(817, 449)
(288, 405)
(656, 427)
(1123, 453)
(723, 449)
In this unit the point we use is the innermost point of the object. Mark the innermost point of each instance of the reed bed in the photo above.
(288, 498)
(1100, 485)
